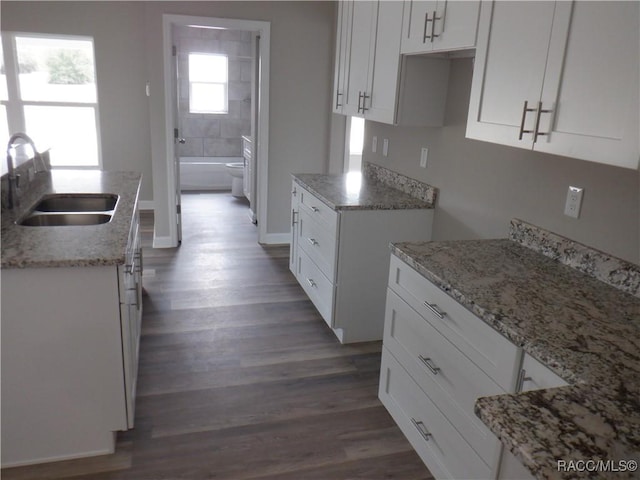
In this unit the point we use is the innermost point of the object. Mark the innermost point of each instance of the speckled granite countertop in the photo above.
(375, 189)
(71, 246)
(584, 330)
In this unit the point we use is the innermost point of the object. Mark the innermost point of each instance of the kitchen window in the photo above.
(208, 83)
(48, 90)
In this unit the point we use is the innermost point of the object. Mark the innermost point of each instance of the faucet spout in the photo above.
(14, 178)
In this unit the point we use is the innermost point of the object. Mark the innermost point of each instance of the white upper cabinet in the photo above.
(361, 34)
(367, 77)
(342, 56)
(559, 77)
(436, 26)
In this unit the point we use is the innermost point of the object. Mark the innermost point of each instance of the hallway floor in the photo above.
(239, 376)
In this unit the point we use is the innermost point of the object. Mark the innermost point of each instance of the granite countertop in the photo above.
(376, 188)
(71, 246)
(584, 330)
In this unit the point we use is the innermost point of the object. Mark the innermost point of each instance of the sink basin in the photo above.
(77, 202)
(71, 209)
(65, 219)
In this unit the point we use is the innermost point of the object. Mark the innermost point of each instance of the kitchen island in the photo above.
(575, 310)
(71, 312)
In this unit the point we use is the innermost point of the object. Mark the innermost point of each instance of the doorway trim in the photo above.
(262, 129)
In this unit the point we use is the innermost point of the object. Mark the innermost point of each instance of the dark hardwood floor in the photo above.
(239, 376)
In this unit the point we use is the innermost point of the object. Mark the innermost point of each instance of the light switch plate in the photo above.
(574, 202)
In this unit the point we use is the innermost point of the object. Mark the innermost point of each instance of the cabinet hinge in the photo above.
(174, 50)
(178, 209)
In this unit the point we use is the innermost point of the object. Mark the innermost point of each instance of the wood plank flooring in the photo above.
(239, 376)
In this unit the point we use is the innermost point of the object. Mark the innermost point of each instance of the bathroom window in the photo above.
(49, 92)
(208, 83)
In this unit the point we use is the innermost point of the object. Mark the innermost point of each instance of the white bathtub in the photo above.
(205, 173)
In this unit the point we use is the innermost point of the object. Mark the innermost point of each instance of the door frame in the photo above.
(262, 145)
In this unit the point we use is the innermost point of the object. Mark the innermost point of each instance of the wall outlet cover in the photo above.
(574, 202)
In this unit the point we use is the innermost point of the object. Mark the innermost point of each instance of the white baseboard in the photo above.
(163, 242)
(147, 205)
(277, 239)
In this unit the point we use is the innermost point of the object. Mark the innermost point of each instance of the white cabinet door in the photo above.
(342, 55)
(380, 101)
(559, 77)
(295, 216)
(362, 33)
(591, 84)
(533, 376)
(430, 26)
(416, 26)
(513, 41)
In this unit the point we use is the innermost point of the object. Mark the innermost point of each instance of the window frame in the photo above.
(15, 105)
(224, 84)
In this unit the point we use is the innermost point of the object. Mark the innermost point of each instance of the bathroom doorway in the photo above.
(219, 119)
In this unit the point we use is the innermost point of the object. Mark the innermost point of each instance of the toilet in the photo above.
(236, 170)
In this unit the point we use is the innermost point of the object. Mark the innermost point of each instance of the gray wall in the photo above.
(300, 91)
(483, 185)
(215, 135)
(128, 44)
(117, 30)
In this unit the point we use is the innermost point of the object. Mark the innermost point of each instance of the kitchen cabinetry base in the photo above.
(63, 391)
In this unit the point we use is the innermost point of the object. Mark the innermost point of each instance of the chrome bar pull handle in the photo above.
(294, 192)
(312, 241)
(536, 130)
(315, 209)
(421, 428)
(522, 377)
(311, 282)
(138, 261)
(435, 310)
(338, 95)
(429, 364)
(359, 100)
(293, 217)
(525, 110)
(433, 26)
(364, 101)
(426, 22)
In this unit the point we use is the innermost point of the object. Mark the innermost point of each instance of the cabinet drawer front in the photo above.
(444, 451)
(535, 375)
(488, 349)
(448, 377)
(318, 243)
(319, 289)
(318, 210)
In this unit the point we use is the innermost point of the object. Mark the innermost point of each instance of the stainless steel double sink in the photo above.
(71, 209)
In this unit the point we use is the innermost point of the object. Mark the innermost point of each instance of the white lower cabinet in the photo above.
(445, 452)
(340, 257)
(70, 340)
(438, 358)
(130, 287)
(533, 376)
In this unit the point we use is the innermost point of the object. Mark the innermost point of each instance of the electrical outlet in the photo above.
(423, 157)
(574, 202)
(374, 144)
(385, 147)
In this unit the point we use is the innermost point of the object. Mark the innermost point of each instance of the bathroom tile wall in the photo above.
(215, 135)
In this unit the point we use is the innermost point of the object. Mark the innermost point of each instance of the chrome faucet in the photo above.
(14, 178)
